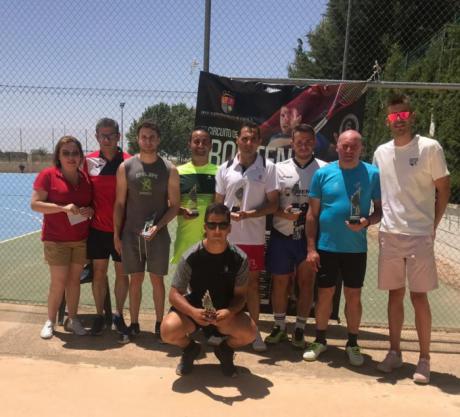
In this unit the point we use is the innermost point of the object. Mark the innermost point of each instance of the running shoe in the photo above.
(422, 372)
(276, 336)
(134, 329)
(119, 323)
(313, 351)
(47, 330)
(354, 355)
(392, 361)
(76, 327)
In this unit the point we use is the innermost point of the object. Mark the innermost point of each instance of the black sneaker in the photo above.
(225, 355)
(134, 329)
(123, 339)
(298, 339)
(189, 354)
(98, 326)
(119, 324)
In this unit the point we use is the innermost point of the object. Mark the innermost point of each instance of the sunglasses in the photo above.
(215, 225)
(68, 154)
(402, 115)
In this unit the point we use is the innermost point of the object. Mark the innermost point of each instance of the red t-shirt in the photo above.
(102, 174)
(56, 227)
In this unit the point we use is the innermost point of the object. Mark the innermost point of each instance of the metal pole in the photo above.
(347, 40)
(20, 140)
(86, 140)
(122, 105)
(52, 138)
(207, 35)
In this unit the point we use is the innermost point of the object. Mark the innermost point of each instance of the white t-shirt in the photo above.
(294, 182)
(246, 190)
(407, 175)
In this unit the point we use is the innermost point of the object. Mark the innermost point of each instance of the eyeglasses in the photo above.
(215, 225)
(68, 154)
(109, 136)
(402, 115)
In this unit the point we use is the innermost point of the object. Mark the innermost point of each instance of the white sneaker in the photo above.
(76, 327)
(259, 345)
(47, 330)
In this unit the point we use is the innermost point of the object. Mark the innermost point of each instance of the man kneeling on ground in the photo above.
(215, 266)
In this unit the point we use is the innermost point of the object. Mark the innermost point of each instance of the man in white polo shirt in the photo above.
(415, 191)
(247, 185)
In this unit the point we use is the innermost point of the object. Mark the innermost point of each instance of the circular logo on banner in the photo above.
(350, 121)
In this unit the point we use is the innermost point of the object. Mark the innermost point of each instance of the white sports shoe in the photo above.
(47, 330)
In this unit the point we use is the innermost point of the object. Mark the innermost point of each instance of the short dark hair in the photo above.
(148, 124)
(62, 141)
(399, 98)
(196, 128)
(106, 122)
(249, 125)
(217, 208)
(304, 127)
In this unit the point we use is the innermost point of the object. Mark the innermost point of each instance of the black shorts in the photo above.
(208, 331)
(350, 266)
(100, 245)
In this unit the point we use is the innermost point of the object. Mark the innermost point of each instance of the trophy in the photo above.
(355, 211)
(239, 195)
(208, 306)
(149, 223)
(193, 205)
(295, 197)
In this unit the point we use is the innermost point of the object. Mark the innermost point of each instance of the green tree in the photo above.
(375, 27)
(175, 122)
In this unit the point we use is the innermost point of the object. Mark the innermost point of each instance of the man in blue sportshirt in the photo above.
(340, 204)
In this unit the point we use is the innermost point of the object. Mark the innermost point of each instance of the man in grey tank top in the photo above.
(147, 199)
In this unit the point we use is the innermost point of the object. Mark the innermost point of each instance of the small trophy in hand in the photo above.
(149, 223)
(193, 206)
(239, 195)
(208, 306)
(355, 210)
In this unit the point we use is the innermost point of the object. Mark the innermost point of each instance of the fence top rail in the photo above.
(370, 84)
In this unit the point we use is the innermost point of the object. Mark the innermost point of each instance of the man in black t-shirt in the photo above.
(221, 270)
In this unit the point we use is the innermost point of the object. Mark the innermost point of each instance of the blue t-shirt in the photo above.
(334, 186)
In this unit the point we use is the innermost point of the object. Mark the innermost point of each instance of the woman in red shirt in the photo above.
(63, 194)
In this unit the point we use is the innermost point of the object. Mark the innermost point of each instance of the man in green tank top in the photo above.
(197, 187)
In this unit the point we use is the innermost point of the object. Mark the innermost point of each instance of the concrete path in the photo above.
(95, 376)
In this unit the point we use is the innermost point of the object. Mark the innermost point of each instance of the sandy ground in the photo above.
(95, 376)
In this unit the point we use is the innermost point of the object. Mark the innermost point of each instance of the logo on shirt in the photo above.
(146, 186)
(413, 161)
(227, 102)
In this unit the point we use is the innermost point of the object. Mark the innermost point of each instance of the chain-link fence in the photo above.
(65, 64)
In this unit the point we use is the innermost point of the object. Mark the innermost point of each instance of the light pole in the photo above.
(122, 105)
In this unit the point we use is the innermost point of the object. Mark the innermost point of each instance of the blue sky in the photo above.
(137, 45)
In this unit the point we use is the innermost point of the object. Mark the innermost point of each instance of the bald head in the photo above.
(349, 148)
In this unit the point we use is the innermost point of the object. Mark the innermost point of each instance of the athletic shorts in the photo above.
(140, 254)
(208, 331)
(100, 245)
(404, 256)
(256, 256)
(284, 254)
(350, 266)
(65, 253)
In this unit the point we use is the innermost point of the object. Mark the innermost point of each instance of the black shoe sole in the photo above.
(189, 369)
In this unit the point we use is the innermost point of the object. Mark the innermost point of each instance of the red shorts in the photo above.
(256, 256)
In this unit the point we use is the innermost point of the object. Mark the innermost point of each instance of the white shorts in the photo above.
(404, 256)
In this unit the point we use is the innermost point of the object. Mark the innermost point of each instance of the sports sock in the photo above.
(280, 320)
(321, 336)
(300, 322)
(352, 340)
